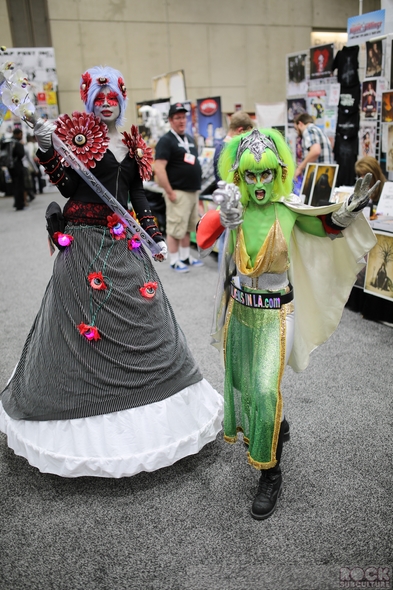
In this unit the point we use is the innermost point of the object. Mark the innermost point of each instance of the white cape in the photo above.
(322, 272)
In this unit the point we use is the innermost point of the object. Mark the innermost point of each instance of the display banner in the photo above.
(365, 26)
(210, 120)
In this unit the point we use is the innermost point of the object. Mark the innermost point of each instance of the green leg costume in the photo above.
(254, 366)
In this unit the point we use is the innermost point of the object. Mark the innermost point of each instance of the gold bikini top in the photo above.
(271, 258)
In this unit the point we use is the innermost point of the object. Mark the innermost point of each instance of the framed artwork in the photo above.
(308, 182)
(321, 61)
(323, 182)
(373, 58)
(369, 99)
(361, 277)
(387, 107)
(379, 271)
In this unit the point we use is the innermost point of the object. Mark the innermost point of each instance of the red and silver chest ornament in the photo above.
(85, 134)
(140, 151)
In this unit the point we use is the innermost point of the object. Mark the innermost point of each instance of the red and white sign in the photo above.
(208, 107)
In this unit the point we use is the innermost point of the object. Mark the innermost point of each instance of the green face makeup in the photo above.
(260, 185)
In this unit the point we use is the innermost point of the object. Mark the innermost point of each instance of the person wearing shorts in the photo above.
(178, 172)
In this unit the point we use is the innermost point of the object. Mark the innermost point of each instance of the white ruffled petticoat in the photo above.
(122, 443)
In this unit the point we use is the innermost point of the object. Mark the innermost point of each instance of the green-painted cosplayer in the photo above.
(284, 281)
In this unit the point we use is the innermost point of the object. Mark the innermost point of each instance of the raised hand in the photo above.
(43, 133)
(227, 196)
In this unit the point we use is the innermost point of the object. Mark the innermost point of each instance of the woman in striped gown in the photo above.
(106, 385)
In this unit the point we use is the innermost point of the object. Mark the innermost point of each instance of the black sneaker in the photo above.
(269, 491)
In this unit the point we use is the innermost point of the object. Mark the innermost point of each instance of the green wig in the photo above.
(280, 162)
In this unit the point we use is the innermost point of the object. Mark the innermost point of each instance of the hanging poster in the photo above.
(295, 107)
(387, 107)
(379, 272)
(321, 61)
(373, 59)
(367, 138)
(210, 120)
(296, 74)
(369, 99)
(316, 101)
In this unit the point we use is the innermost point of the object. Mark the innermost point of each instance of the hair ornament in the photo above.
(122, 87)
(257, 144)
(95, 79)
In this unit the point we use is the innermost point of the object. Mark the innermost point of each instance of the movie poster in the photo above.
(295, 107)
(369, 99)
(387, 107)
(373, 59)
(296, 74)
(321, 61)
(209, 121)
(367, 139)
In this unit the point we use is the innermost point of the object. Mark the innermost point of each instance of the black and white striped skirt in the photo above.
(131, 400)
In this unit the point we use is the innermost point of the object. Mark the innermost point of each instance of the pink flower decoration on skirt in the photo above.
(89, 332)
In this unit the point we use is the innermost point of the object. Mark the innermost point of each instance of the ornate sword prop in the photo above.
(15, 97)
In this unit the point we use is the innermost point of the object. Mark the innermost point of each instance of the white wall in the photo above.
(231, 48)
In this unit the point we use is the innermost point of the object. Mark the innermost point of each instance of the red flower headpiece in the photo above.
(85, 85)
(140, 151)
(122, 87)
(85, 134)
(102, 81)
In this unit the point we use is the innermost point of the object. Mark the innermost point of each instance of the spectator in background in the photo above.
(17, 169)
(240, 122)
(178, 172)
(316, 145)
(31, 148)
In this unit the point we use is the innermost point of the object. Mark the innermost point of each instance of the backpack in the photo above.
(6, 157)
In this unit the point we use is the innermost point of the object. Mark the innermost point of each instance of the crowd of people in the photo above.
(21, 175)
(106, 359)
